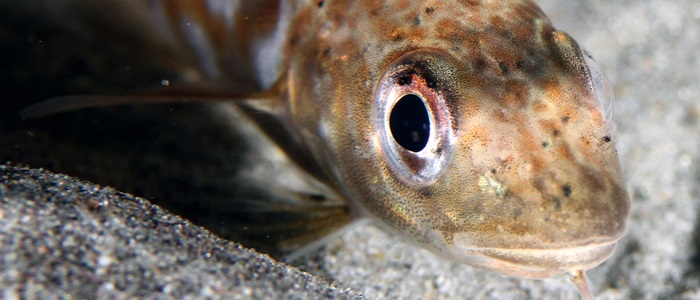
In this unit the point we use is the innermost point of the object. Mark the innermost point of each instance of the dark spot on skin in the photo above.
(321, 3)
(545, 144)
(429, 10)
(565, 119)
(493, 171)
(504, 68)
(438, 150)
(607, 139)
(327, 52)
(432, 84)
(405, 80)
(416, 21)
(566, 189)
(520, 64)
(480, 65)
(556, 132)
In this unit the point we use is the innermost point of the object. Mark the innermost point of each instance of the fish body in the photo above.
(519, 173)
(474, 129)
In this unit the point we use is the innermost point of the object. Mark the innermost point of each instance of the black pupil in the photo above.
(410, 123)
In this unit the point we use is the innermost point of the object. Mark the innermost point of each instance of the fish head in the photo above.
(479, 132)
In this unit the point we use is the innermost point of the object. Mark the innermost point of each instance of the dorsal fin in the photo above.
(268, 101)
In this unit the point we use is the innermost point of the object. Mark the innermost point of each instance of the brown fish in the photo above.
(472, 128)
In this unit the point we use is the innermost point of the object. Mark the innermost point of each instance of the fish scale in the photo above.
(518, 172)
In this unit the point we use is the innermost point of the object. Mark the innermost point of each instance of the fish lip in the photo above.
(537, 263)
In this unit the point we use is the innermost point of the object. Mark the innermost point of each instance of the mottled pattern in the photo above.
(520, 174)
(533, 167)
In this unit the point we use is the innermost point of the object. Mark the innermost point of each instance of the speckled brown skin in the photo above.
(533, 165)
(520, 175)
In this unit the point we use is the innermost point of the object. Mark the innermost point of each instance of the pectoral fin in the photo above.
(288, 230)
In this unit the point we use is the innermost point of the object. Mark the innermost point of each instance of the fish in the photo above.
(474, 129)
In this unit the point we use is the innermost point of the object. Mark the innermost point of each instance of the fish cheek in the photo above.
(497, 165)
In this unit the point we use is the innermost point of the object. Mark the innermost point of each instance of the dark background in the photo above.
(175, 155)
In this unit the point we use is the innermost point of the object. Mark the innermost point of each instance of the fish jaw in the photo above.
(536, 263)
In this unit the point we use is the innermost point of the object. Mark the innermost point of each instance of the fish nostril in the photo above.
(409, 123)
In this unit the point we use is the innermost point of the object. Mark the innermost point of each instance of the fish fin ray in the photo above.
(290, 229)
(267, 101)
(274, 120)
(319, 242)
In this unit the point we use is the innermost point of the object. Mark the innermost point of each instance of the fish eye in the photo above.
(601, 86)
(409, 123)
(413, 120)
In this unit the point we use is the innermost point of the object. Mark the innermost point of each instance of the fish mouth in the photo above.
(536, 263)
